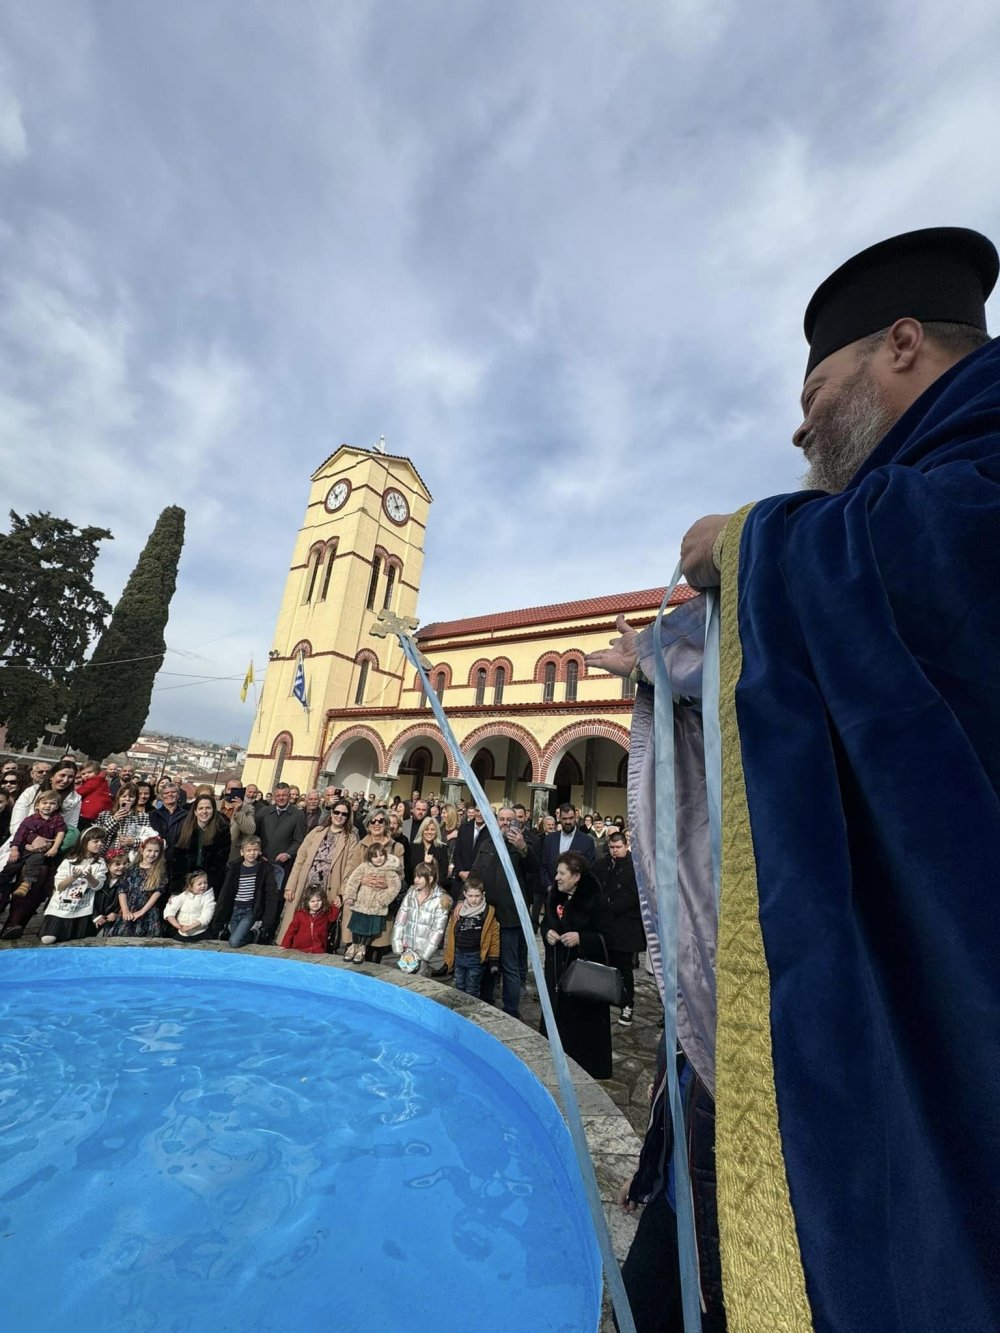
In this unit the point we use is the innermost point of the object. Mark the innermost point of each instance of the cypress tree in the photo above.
(111, 692)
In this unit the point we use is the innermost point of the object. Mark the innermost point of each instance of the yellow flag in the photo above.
(248, 681)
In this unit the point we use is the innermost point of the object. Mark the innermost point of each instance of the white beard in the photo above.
(847, 434)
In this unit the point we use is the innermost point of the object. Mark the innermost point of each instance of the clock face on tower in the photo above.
(394, 503)
(337, 495)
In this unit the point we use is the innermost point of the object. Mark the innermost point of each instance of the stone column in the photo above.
(382, 788)
(451, 790)
(511, 772)
(539, 799)
(590, 776)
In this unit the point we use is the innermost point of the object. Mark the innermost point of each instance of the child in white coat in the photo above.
(189, 913)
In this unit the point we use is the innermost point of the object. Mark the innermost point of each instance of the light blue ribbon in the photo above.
(713, 738)
(612, 1273)
(667, 910)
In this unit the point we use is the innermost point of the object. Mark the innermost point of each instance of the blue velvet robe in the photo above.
(869, 721)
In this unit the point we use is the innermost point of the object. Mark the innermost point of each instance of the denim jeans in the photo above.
(239, 925)
(468, 972)
(511, 940)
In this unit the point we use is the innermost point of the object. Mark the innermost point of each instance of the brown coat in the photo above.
(489, 944)
(346, 858)
(383, 941)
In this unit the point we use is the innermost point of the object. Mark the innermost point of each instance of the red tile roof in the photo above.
(647, 600)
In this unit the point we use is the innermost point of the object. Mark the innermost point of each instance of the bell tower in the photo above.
(360, 549)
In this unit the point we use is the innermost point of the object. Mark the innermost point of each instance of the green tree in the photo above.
(111, 692)
(49, 613)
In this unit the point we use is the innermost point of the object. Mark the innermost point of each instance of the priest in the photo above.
(857, 1038)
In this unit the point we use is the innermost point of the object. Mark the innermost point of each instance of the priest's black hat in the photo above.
(939, 274)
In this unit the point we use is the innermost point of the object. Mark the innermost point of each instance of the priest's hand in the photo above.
(620, 658)
(697, 564)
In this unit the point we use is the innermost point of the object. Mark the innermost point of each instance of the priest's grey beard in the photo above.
(846, 433)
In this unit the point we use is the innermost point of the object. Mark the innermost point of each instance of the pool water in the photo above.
(212, 1141)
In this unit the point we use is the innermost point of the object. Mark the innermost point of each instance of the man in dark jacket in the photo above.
(281, 828)
(167, 818)
(470, 835)
(488, 867)
(566, 838)
(616, 875)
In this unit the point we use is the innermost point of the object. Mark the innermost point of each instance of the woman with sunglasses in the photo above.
(378, 832)
(325, 860)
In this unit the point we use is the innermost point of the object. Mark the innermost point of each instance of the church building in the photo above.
(537, 726)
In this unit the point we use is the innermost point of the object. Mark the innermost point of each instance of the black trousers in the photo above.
(625, 963)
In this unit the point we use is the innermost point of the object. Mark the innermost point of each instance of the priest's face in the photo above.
(846, 414)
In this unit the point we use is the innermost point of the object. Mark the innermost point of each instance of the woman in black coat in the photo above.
(577, 924)
(204, 843)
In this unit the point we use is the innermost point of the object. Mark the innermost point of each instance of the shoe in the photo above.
(441, 971)
(22, 890)
(349, 953)
(625, 1021)
(12, 933)
(359, 956)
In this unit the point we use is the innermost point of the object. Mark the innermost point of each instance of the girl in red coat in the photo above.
(310, 924)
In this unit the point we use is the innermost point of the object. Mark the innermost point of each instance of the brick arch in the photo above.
(481, 663)
(512, 732)
(391, 560)
(366, 655)
(317, 548)
(573, 655)
(345, 738)
(542, 662)
(429, 731)
(382, 554)
(432, 675)
(579, 731)
(285, 736)
(304, 647)
(507, 665)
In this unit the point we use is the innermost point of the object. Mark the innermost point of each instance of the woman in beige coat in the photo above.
(378, 831)
(326, 858)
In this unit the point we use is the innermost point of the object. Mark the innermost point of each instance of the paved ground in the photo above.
(633, 1048)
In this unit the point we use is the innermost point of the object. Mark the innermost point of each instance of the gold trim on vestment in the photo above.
(762, 1278)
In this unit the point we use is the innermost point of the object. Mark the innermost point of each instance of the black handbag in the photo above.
(594, 983)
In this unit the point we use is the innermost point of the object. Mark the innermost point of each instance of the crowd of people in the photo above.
(110, 852)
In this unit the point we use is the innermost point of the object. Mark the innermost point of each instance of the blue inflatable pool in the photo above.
(209, 1141)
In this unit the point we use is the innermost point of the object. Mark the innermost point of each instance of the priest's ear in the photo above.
(903, 343)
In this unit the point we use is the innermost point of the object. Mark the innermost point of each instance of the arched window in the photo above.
(572, 676)
(480, 686)
(373, 585)
(359, 693)
(329, 571)
(439, 684)
(390, 579)
(499, 676)
(628, 687)
(313, 575)
(279, 763)
(549, 688)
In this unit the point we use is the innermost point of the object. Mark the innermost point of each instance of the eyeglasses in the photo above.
(376, 821)
(340, 814)
(10, 782)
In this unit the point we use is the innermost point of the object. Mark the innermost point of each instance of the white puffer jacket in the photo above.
(421, 927)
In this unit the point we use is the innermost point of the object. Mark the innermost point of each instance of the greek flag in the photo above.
(299, 684)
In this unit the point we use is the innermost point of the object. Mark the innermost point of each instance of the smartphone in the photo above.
(237, 794)
(514, 826)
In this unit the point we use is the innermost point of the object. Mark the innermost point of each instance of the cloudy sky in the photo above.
(556, 252)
